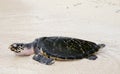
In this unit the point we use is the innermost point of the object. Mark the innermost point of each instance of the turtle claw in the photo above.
(43, 59)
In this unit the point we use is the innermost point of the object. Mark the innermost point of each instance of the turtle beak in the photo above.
(11, 48)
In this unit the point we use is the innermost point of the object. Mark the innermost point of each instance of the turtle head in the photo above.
(16, 47)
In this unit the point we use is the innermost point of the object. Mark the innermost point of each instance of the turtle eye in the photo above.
(20, 47)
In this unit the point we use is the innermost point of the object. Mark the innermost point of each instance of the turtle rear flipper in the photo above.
(101, 45)
(92, 57)
(43, 59)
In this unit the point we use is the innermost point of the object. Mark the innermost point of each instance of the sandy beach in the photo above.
(94, 20)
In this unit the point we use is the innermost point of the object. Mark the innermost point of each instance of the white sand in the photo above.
(94, 20)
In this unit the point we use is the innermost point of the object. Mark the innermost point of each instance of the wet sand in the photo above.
(94, 20)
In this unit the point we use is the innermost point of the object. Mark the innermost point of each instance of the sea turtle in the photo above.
(49, 49)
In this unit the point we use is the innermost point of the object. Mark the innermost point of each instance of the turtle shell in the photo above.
(67, 48)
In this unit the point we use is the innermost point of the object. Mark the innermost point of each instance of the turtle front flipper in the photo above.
(92, 57)
(42, 59)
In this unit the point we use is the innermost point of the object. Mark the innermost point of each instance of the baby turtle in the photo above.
(49, 49)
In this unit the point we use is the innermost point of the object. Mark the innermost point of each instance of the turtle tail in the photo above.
(101, 45)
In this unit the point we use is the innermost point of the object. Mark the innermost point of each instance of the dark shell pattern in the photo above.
(67, 48)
